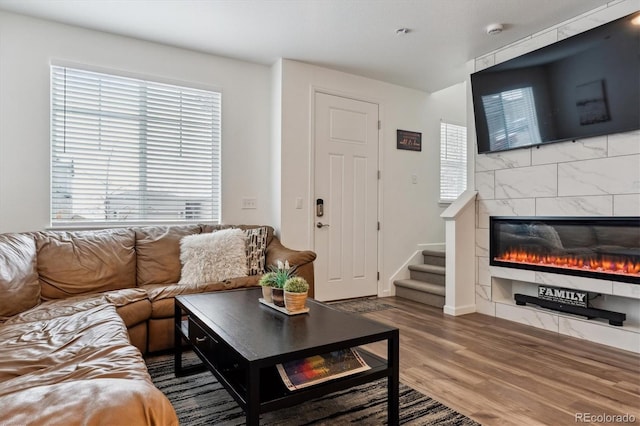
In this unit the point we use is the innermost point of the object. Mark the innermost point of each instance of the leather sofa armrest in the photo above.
(301, 259)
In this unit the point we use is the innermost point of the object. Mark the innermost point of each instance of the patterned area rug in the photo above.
(200, 400)
(361, 305)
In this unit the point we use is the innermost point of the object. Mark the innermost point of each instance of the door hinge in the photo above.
(379, 174)
(378, 275)
(378, 226)
(379, 124)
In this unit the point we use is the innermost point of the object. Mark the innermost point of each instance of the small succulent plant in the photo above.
(296, 285)
(280, 274)
(268, 280)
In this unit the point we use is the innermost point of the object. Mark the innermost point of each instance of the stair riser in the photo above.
(420, 297)
(427, 277)
(434, 260)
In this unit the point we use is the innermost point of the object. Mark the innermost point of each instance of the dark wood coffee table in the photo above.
(240, 341)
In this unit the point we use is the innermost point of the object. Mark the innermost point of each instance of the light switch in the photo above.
(414, 179)
(299, 203)
(249, 203)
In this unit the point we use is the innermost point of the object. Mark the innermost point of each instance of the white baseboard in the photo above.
(459, 310)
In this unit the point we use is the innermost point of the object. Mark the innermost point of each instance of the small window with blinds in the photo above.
(511, 119)
(453, 161)
(126, 151)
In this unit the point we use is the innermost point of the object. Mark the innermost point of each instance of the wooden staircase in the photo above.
(427, 281)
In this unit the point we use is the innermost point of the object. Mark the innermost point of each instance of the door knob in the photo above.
(321, 225)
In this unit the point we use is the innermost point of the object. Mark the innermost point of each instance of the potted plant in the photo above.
(267, 281)
(295, 293)
(281, 273)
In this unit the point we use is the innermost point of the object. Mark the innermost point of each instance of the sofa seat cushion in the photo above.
(19, 284)
(77, 367)
(162, 296)
(135, 313)
(88, 403)
(88, 344)
(125, 296)
(73, 263)
(58, 308)
(121, 299)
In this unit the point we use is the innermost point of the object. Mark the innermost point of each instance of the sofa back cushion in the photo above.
(621, 236)
(19, 284)
(158, 251)
(258, 238)
(212, 228)
(71, 263)
(572, 237)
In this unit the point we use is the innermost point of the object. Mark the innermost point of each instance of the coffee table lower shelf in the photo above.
(275, 395)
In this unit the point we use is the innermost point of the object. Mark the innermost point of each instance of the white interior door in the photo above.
(346, 180)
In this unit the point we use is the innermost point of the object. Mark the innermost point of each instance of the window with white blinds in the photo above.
(125, 150)
(511, 119)
(453, 161)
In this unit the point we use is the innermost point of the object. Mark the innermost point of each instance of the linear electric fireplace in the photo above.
(596, 247)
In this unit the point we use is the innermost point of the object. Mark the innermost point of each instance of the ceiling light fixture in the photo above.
(402, 31)
(636, 19)
(494, 29)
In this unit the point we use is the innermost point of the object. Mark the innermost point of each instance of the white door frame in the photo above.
(313, 90)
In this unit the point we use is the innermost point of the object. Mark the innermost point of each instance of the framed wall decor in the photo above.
(591, 102)
(411, 141)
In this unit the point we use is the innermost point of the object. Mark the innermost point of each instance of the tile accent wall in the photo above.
(591, 177)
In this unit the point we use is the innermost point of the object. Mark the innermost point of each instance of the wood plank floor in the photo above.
(498, 372)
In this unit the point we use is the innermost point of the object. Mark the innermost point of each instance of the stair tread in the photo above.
(423, 286)
(433, 269)
(435, 253)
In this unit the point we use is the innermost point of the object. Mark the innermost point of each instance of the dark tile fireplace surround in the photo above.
(596, 247)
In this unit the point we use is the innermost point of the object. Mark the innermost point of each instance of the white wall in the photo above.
(409, 212)
(27, 47)
(265, 131)
(276, 150)
(449, 105)
(591, 177)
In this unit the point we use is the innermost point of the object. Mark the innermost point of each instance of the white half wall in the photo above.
(27, 47)
(460, 223)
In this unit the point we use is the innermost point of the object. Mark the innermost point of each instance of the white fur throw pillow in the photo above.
(213, 257)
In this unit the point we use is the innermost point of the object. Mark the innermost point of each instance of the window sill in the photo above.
(68, 226)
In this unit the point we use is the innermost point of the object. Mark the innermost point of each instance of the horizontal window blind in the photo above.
(453, 161)
(511, 118)
(125, 150)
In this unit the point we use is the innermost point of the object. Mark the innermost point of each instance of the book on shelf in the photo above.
(316, 369)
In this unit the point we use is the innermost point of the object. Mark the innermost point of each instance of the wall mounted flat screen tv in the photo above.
(583, 86)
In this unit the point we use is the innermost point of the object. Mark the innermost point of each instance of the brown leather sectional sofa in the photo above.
(74, 306)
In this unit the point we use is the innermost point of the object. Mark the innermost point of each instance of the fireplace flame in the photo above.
(605, 264)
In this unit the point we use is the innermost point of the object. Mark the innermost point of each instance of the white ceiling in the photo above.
(356, 36)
